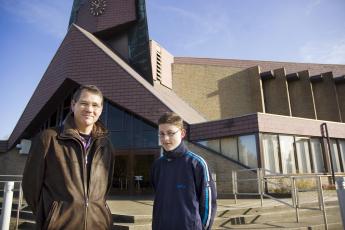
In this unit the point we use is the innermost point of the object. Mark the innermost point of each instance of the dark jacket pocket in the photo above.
(110, 216)
(52, 215)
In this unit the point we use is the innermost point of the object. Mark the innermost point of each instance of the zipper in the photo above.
(99, 147)
(84, 163)
(85, 184)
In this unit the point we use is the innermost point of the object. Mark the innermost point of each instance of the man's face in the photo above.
(170, 136)
(87, 110)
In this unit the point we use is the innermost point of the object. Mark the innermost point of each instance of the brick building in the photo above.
(284, 117)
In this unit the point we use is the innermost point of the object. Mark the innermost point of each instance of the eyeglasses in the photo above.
(169, 134)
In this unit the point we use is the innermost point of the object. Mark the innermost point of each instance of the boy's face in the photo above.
(170, 136)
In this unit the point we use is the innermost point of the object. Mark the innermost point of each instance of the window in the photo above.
(229, 147)
(247, 150)
(127, 130)
(211, 144)
(241, 148)
(342, 152)
(115, 118)
(316, 155)
(271, 153)
(335, 156)
(303, 158)
(287, 153)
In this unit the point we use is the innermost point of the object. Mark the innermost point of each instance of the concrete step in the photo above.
(128, 226)
(138, 219)
(27, 225)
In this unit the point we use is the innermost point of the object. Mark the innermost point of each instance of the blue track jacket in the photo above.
(185, 195)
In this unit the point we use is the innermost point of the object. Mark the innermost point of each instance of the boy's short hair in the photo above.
(172, 119)
(89, 88)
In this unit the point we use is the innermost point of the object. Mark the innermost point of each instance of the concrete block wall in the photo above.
(12, 163)
(223, 167)
(340, 89)
(276, 94)
(301, 97)
(326, 104)
(219, 92)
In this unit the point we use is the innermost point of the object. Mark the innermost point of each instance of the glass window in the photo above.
(335, 156)
(229, 147)
(287, 153)
(271, 153)
(128, 131)
(317, 155)
(303, 158)
(115, 118)
(247, 150)
(121, 139)
(212, 144)
(342, 152)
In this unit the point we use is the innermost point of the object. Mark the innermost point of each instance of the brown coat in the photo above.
(55, 179)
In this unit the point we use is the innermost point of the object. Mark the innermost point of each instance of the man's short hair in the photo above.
(89, 88)
(172, 119)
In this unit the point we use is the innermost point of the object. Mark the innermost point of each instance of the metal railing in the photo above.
(263, 180)
(17, 181)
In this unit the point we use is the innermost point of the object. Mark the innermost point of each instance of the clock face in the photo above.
(97, 7)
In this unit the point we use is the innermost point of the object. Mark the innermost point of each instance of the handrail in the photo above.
(263, 180)
(20, 196)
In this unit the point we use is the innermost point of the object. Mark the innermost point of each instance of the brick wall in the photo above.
(3, 146)
(82, 61)
(116, 13)
(224, 128)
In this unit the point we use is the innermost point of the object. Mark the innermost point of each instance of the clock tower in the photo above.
(121, 25)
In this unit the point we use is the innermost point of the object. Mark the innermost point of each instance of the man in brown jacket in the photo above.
(69, 169)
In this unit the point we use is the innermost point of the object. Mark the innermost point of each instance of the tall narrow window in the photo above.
(303, 158)
(342, 152)
(229, 147)
(317, 156)
(271, 153)
(287, 154)
(335, 156)
(247, 150)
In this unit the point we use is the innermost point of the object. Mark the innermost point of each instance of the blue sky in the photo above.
(293, 30)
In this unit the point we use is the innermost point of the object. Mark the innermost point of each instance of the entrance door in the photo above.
(142, 171)
(120, 178)
(132, 171)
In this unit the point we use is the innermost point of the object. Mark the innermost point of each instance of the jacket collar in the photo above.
(69, 129)
(177, 152)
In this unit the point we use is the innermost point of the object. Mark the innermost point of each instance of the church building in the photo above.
(287, 118)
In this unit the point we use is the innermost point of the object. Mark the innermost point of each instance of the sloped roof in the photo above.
(290, 67)
(170, 99)
(84, 59)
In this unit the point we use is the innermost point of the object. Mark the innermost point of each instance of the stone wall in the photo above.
(223, 168)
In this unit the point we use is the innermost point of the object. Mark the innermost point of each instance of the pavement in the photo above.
(142, 205)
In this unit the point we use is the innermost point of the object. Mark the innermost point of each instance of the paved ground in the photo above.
(142, 205)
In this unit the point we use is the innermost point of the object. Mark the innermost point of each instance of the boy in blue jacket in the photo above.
(185, 195)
